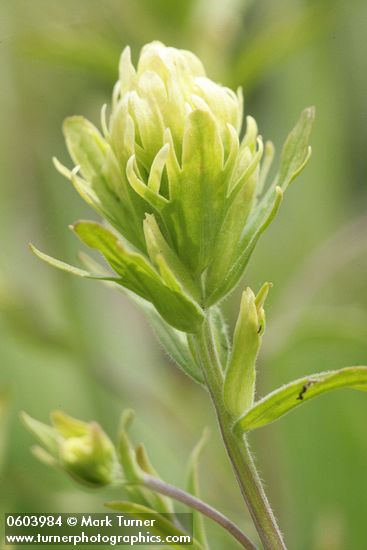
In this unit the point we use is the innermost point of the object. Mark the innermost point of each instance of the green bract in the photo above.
(177, 182)
(240, 376)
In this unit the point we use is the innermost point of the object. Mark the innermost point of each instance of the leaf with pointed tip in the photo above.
(157, 246)
(240, 199)
(144, 461)
(296, 150)
(67, 426)
(70, 268)
(258, 222)
(134, 463)
(104, 184)
(152, 197)
(137, 274)
(197, 191)
(156, 170)
(226, 247)
(193, 487)
(46, 434)
(125, 448)
(127, 458)
(295, 154)
(159, 502)
(284, 399)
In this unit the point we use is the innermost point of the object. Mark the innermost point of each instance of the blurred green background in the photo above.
(78, 346)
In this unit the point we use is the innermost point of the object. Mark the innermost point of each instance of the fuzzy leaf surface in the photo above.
(279, 402)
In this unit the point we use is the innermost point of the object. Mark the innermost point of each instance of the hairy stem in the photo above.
(164, 488)
(236, 445)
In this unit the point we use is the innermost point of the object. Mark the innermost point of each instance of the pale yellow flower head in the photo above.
(182, 186)
(167, 85)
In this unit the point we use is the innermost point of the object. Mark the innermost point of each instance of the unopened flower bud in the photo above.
(239, 383)
(82, 449)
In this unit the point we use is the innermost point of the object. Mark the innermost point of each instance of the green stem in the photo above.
(236, 445)
(159, 486)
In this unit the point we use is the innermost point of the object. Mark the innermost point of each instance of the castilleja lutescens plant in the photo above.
(183, 190)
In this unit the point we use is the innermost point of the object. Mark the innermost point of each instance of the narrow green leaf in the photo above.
(85, 144)
(197, 192)
(156, 201)
(127, 458)
(144, 461)
(67, 426)
(296, 150)
(136, 274)
(46, 434)
(193, 487)
(226, 248)
(294, 157)
(126, 450)
(104, 184)
(134, 463)
(69, 268)
(159, 502)
(258, 222)
(117, 211)
(156, 171)
(286, 398)
(157, 246)
(238, 206)
(113, 204)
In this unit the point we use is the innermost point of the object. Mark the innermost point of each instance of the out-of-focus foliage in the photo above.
(75, 346)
